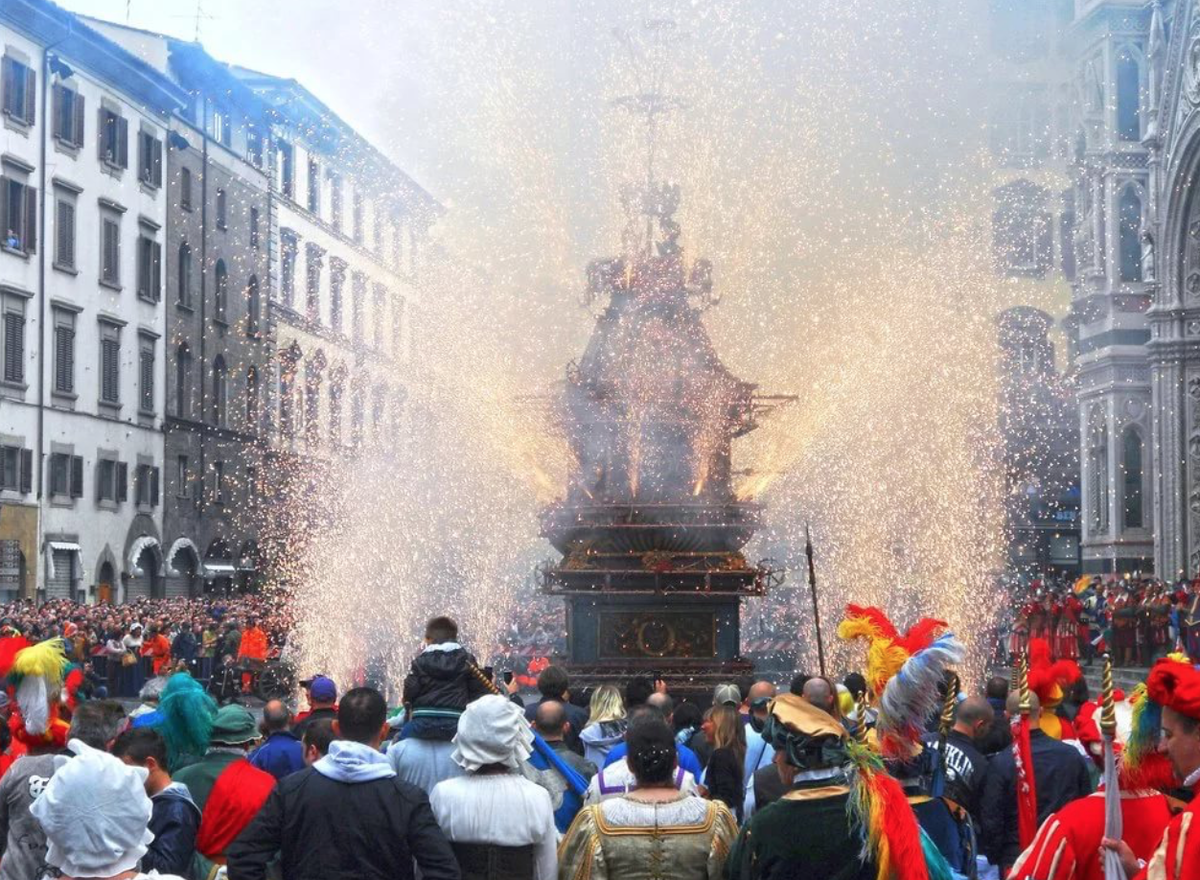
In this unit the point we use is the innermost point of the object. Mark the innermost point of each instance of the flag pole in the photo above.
(1112, 788)
(812, 585)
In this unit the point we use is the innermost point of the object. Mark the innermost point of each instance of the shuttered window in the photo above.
(114, 139)
(253, 308)
(149, 282)
(185, 189)
(64, 353)
(146, 377)
(68, 113)
(110, 251)
(14, 346)
(18, 215)
(19, 84)
(149, 159)
(110, 363)
(60, 473)
(64, 238)
(222, 210)
(254, 228)
(16, 469)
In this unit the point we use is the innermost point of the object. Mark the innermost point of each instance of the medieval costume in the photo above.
(843, 817)
(1124, 610)
(906, 670)
(1067, 844)
(158, 649)
(1047, 677)
(494, 815)
(1066, 635)
(627, 838)
(1190, 622)
(1177, 686)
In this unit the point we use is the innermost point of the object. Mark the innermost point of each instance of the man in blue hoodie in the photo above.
(174, 817)
(314, 818)
(281, 753)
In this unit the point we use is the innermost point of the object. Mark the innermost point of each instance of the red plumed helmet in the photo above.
(1047, 677)
(1175, 685)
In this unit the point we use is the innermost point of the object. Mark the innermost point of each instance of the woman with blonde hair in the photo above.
(606, 724)
(724, 775)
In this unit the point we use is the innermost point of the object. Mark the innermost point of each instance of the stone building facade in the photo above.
(84, 213)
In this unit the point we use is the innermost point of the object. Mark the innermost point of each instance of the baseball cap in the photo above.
(727, 695)
(321, 689)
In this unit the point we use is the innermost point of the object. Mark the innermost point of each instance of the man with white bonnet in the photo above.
(494, 814)
(95, 813)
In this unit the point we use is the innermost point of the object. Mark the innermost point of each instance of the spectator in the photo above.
(998, 736)
(552, 724)
(317, 738)
(553, 684)
(605, 726)
(322, 703)
(95, 724)
(637, 691)
(158, 649)
(226, 787)
(315, 818)
(440, 683)
(654, 824)
(965, 764)
(617, 779)
(498, 822)
(1060, 776)
(798, 683)
(281, 752)
(95, 816)
(759, 754)
(819, 692)
(174, 817)
(185, 646)
(666, 708)
(723, 777)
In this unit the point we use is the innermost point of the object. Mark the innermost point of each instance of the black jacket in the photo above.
(724, 781)
(315, 715)
(1060, 776)
(998, 737)
(330, 830)
(966, 768)
(174, 819)
(768, 787)
(442, 680)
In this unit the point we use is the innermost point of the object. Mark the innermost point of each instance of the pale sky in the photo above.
(350, 60)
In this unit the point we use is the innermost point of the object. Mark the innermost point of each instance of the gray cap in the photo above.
(727, 695)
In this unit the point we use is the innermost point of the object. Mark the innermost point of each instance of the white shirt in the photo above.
(617, 780)
(759, 753)
(504, 809)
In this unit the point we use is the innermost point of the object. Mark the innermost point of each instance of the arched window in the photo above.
(1023, 230)
(222, 210)
(1129, 96)
(252, 399)
(287, 381)
(378, 411)
(1098, 472)
(220, 391)
(1131, 457)
(1129, 249)
(335, 408)
(253, 307)
(220, 291)
(183, 381)
(184, 293)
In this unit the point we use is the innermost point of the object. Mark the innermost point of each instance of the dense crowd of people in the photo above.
(894, 771)
(1137, 619)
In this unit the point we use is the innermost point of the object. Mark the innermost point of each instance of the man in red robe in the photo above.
(158, 649)
(1176, 687)
(1067, 846)
(252, 651)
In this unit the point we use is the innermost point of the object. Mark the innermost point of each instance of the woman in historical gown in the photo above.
(654, 831)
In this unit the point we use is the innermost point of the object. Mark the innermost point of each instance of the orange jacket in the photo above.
(254, 644)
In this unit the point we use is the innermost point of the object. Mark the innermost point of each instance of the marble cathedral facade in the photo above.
(1135, 315)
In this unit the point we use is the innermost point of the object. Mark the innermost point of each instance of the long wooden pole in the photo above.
(812, 585)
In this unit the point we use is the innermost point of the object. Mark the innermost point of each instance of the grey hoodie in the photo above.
(349, 761)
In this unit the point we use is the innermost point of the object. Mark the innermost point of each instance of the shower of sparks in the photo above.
(832, 168)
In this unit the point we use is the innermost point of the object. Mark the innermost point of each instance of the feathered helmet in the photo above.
(905, 671)
(1047, 677)
(1143, 766)
(36, 676)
